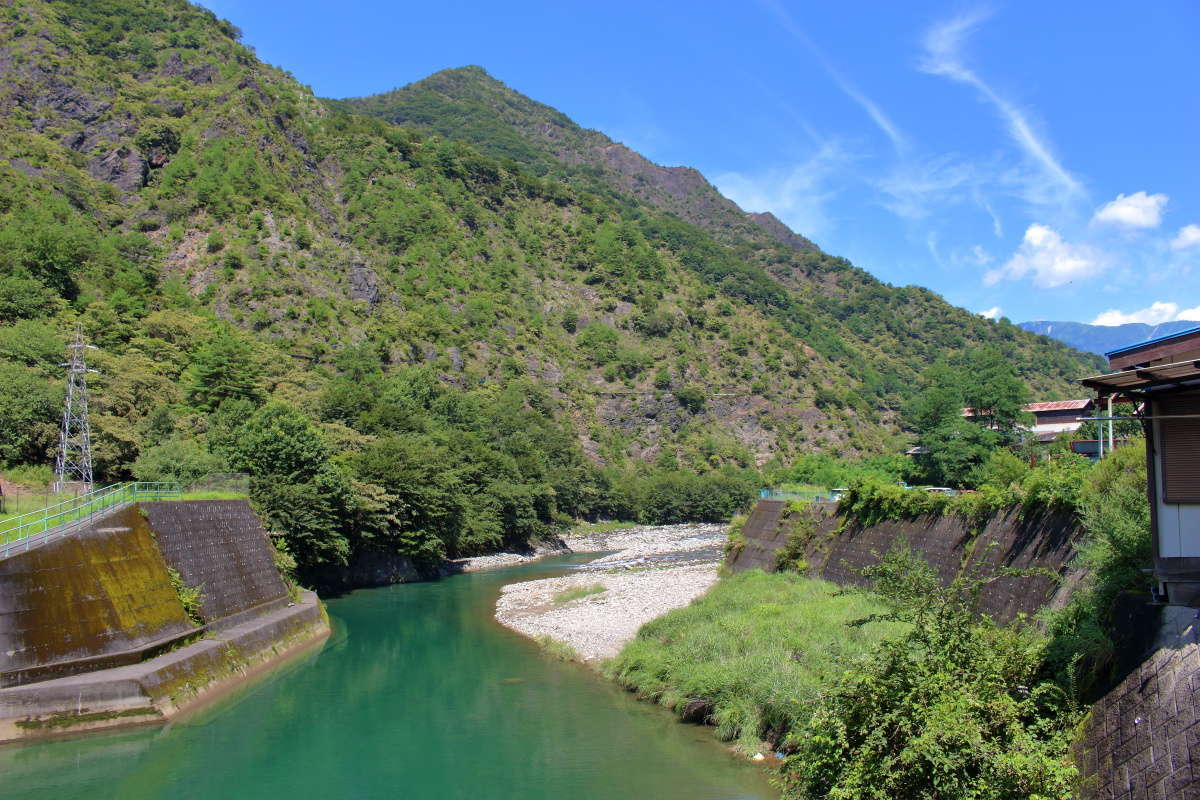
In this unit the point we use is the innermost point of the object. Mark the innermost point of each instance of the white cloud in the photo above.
(980, 255)
(1156, 313)
(1137, 210)
(943, 56)
(992, 313)
(1051, 260)
(1189, 236)
(917, 187)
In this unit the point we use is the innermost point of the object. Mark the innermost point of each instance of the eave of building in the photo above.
(1180, 375)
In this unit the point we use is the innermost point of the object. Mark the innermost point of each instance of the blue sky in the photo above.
(1031, 159)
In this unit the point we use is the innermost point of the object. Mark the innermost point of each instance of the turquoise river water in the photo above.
(419, 693)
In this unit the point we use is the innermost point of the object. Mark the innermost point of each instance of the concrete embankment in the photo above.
(836, 549)
(94, 635)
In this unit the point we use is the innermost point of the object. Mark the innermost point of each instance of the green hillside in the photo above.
(411, 341)
(891, 330)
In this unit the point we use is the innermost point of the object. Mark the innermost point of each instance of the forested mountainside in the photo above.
(411, 341)
(884, 326)
(1103, 338)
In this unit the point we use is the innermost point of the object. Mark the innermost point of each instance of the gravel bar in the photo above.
(647, 571)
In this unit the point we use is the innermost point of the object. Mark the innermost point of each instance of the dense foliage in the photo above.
(964, 411)
(951, 707)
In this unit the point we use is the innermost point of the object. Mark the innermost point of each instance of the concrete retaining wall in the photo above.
(93, 634)
(163, 687)
(837, 551)
(219, 546)
(101, 592)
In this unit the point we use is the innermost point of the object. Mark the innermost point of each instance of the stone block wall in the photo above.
(1139, 741)
(220, 547)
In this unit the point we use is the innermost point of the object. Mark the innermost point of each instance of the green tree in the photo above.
(223, 369)
(29, 406)
(956, 450)
(991, 388)
(182, 460)
(1003, 469)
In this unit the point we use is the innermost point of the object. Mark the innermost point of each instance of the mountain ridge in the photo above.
(1100, 339)
(546, 132)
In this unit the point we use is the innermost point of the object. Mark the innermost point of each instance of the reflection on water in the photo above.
(418, 694)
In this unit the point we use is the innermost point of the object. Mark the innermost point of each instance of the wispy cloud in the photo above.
(1152, 315)
(992, 313)
(798, 195)
(944, 44)
(848, 87)
(917, 187)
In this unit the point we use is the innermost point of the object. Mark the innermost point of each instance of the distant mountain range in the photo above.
(1103, 338)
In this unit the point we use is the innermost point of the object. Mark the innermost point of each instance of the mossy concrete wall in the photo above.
(93, 617)
(100, 592)
(160, 689)
(837, 549)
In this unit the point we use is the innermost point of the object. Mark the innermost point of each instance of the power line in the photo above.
(74, 461)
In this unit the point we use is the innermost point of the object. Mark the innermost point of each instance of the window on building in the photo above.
(1180, 448)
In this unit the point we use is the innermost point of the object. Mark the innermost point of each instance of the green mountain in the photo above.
(431, 338)
(470, 105)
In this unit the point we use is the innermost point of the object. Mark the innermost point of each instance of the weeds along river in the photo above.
(419, 693)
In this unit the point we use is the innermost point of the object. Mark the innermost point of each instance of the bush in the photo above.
(182, 460)
(950, 708)
(1113, 557)
(1003, 469)
(1057, 484)
(691, 398)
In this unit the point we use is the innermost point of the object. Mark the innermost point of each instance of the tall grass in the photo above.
(751, 655)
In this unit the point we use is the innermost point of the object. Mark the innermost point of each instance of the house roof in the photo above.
(1060, 405)
(1053, 405)
(1180, 374)
(1148, 342)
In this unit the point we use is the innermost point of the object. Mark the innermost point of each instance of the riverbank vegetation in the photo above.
(752, 654)
(940, 697)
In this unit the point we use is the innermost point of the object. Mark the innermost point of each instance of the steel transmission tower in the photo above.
(74, 461)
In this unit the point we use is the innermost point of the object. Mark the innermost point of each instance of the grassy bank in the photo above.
(752, 654)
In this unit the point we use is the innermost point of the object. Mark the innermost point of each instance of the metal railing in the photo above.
(812, 497)
(23, 531)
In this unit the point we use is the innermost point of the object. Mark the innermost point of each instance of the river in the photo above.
(419, 693)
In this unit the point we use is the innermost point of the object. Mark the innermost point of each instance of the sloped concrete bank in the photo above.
(162, 688)
(94, 635)
(837, 550)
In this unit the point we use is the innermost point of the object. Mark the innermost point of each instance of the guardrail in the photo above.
(812, 497)
(22, 532)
